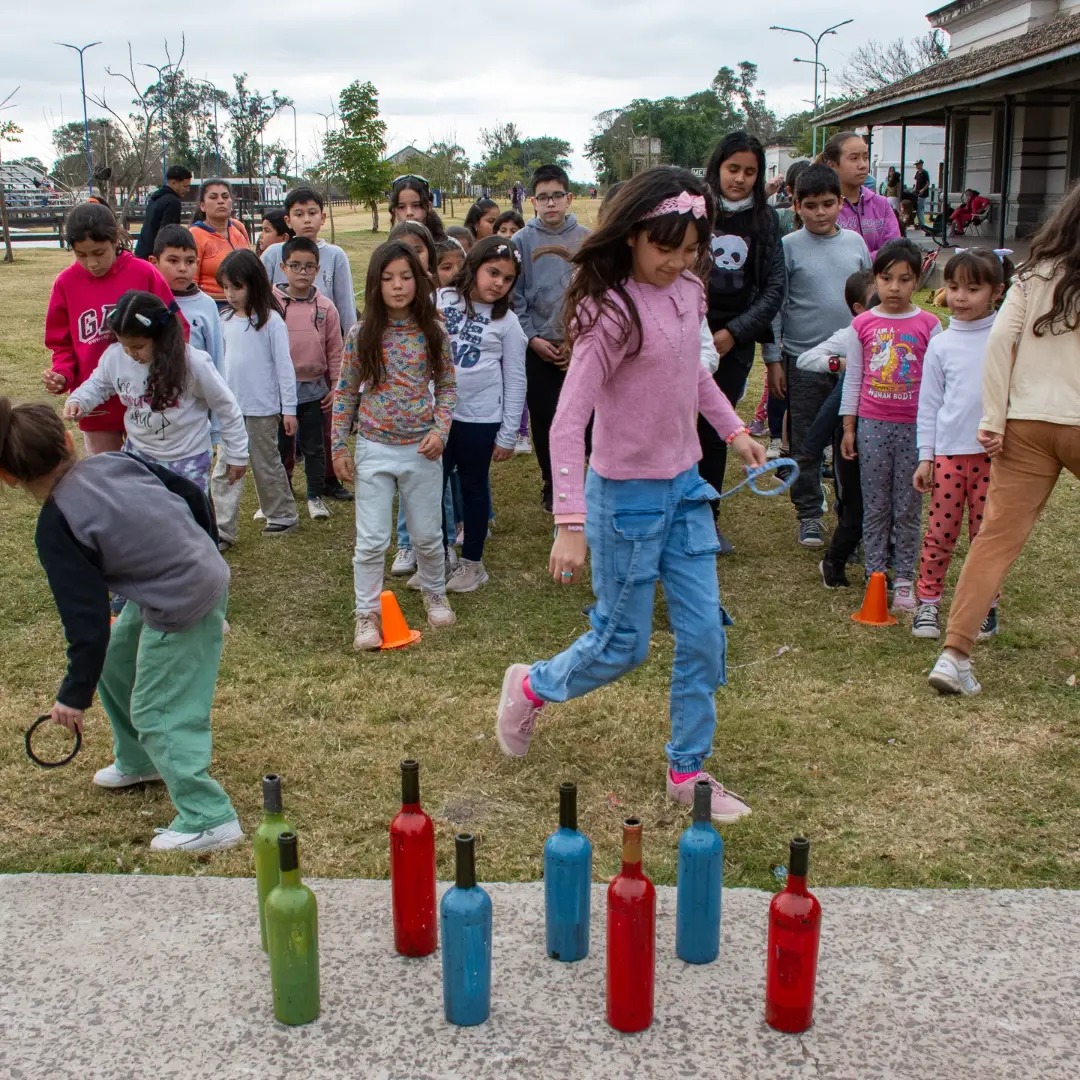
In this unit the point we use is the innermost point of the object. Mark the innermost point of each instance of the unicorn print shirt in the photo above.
(885, 385)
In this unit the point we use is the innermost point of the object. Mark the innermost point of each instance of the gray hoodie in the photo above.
(541, 285)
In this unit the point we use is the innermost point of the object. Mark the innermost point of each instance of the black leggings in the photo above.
(468, 449)
(731, 378)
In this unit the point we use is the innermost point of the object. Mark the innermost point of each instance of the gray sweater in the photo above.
(817, 268)
(541, 285)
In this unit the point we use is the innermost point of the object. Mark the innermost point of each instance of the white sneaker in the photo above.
(368, 632)
(258, 515)
(112, 777)
(904, 596)
(774, 451)
(404, 562)
(523, 446)
(468, 576)
(317, 509)
(451, 565)
(953, 677)
(439, 611)
(217, 839)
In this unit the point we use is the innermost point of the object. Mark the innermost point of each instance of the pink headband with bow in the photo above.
(683, 203)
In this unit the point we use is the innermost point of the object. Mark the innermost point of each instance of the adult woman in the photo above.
(410, 200)
(892, 188)
(746, 280)
(862, 210)
(217, 234)
(972, 205)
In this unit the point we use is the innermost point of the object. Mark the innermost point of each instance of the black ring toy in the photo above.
(41, 761)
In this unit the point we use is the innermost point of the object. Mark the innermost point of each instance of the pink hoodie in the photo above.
(314, 335)
(75, 329)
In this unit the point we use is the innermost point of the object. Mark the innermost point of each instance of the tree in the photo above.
(878, 64)
(249, 113)
(447, 168)
(355, 153)
(9, 133)
(510, 156)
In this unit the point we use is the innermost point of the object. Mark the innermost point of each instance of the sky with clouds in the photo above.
(548, 67)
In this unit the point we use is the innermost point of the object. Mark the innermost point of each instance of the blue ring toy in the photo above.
(756, 473)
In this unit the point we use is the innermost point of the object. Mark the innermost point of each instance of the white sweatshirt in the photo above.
(258, 367)
(489, 363)
(183, 429)
(950, 398)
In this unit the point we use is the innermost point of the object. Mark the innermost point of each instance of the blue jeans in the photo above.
(640, 532)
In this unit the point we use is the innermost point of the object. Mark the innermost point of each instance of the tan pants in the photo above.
(1021, 479)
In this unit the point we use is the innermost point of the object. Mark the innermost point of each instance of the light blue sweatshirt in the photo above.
(201, 313)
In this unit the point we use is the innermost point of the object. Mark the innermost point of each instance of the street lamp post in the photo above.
(295, 144)
(824, 80)
(816, 41)
(80, 49)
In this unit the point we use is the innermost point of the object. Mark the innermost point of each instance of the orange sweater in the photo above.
(213, 247)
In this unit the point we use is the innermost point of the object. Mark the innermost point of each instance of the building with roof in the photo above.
(1008, 99)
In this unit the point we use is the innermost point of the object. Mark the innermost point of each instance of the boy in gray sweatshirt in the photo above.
(538, 299)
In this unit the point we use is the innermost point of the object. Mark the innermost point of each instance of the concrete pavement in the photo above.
(162, 977)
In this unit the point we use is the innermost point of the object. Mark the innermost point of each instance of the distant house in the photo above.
(777, 160)
(405, 155)
(1008, 98)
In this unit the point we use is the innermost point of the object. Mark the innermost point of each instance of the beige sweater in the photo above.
(1028, 377)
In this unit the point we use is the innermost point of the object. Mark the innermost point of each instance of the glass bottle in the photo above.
(265, 846)
(700, 879)
(412, 870)
(292, 937)
(631, 939)
(567, 883)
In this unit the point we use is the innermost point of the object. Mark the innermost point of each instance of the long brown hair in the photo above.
(604, 262)
(375, 320)
(33, 441)
(143, 315)
(1058, 243)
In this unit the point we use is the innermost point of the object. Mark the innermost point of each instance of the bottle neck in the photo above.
(273, 815)
(410, 784)
(290, 877)
(465, 862)
(568, 807)
(631, 850)
(796, 883)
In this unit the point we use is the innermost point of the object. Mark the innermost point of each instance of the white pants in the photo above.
(380, 467)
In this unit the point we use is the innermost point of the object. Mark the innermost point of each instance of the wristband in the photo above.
(573, 528)
(735, 434)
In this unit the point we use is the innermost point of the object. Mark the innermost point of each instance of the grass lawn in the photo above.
(826, 727)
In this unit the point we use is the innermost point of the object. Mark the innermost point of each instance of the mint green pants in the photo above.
(157, 690)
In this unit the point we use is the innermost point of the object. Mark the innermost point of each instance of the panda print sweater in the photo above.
(746, 279)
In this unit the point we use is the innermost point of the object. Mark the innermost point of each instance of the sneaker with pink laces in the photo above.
(516, 717)
(726, 805)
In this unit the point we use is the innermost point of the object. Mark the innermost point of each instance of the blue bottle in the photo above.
(465, 924)
(567, 883)
(701, 870)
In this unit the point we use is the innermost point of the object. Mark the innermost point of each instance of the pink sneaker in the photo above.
(516, 717)
(726, 806)
(758, 427)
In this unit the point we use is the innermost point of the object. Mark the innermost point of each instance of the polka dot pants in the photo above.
(888, 458)
(960, 480)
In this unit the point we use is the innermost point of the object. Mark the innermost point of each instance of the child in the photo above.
(952, 464)
(1030, 426)
(391, 358)
(818, 258)
(168, 389)
(860, 295)
(863, 211)
(112, 522)
(315, 348)
(410, 200)
(481, 218)
(450, 256)
(176, 256)
(273, 229)
(633, 316)
(508, 223)
(462, 236)
(76, 330)
(880, 400)
(414, 234)
(260, 374)
(488, 349)
(216, 235)
(538, 297)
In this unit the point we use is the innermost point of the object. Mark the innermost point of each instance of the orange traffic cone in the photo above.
(875, 605)
(395, 630)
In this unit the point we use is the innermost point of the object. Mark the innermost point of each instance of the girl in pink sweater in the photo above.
(76, 323)
(633, 314)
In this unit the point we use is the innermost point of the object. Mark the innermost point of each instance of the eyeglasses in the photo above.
(302, 268)
(549, 200)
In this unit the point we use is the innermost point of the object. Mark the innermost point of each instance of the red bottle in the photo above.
(794, 933)
(631, 939)
(412, 870)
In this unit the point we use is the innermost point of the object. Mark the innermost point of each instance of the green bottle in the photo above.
(292, 933)
(266, 845)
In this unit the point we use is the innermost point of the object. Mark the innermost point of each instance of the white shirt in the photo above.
(183, 429)
(258, 367)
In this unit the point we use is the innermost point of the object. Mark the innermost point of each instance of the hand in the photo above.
(431, 446)
(288, 423)
(500, 453)
(847, 447)
(72, 410)
(68, 717)
(991, 442)
(235, 472)
(773, 186)
(923, 480)
(777, 380)
(343, 469)
(544, 349)
(327, 403)
(723, 341)
(562, 361)
(749, 449)
(567, 557)
(54, 382)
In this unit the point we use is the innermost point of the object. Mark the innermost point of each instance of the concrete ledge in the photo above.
(163, 977)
